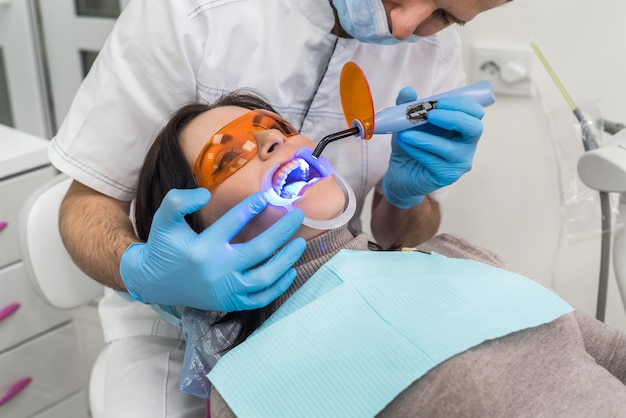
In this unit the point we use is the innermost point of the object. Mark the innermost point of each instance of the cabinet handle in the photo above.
(3, 225)
(8, 310)
(19, 386)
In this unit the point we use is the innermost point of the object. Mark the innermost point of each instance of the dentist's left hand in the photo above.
(433, 155)
(177, 266)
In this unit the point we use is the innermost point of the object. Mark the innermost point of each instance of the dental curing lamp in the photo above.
(358, 107)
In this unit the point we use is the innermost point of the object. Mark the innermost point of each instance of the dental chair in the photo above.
(53, 274)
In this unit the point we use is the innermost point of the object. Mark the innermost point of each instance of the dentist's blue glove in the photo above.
(432, 155)
(177, 266)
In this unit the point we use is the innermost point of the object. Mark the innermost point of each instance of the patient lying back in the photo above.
(572, 366)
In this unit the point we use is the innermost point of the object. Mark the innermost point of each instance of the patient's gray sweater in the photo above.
(574, 366)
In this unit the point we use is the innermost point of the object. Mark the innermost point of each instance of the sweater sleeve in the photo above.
(219, 407)
(456, 247)
(606, 345)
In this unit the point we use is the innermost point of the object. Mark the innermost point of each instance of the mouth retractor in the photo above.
(285, 184)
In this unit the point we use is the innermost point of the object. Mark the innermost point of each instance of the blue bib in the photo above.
(367, 325)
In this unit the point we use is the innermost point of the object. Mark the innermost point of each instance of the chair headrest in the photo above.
(53, 274)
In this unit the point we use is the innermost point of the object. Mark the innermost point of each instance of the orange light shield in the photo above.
(356, 99)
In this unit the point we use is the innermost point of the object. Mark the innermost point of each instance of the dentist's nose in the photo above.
(403, 23)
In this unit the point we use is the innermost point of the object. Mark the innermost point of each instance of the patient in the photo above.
(570, 366)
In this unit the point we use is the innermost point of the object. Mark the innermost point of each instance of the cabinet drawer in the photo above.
(25, 314)
(51, 362)
(76, 406)
(13, 194)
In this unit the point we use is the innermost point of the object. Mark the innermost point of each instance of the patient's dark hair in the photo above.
(165, 167)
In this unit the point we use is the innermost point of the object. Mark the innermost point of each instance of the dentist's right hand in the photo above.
(177, 266)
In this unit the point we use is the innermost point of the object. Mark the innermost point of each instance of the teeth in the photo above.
(290, 178)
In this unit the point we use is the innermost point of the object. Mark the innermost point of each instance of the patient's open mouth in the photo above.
(291, 178)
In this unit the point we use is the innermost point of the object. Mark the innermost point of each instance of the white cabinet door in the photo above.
(73, 31)
(22, 89)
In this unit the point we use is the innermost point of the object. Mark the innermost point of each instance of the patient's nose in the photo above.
(269, 141)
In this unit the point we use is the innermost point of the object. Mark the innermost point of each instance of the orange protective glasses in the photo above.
(234, 145)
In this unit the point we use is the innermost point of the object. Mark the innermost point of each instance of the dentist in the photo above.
(161, 55)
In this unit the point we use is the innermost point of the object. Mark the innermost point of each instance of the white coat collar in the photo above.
(319, 12)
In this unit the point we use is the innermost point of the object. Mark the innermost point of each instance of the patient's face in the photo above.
(322, 200)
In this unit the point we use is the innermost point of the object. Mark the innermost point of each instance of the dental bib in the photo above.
(367, 325)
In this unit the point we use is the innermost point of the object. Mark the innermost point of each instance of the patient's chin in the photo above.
(322, 201)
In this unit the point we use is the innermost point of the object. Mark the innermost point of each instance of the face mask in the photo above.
(366, 21)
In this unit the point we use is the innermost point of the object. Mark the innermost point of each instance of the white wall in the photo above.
(511, 200)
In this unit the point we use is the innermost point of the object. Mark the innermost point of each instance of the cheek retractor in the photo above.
(286, 183)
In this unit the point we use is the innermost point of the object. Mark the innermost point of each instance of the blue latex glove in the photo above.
(432, 155)
(177, 266)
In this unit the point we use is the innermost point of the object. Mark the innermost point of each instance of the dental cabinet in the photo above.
(39, 356)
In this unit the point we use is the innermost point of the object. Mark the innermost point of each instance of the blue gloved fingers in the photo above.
(407, 94)
(259, 286)
(423, 147)
(215, 271)
(433, 155)
(264, 297)
(233, 221)
(266, 274)
(471, 107)
(265, 244)
(177, 203)
(466, 127)
(461, 118)
(169, 236)
(440, 171)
